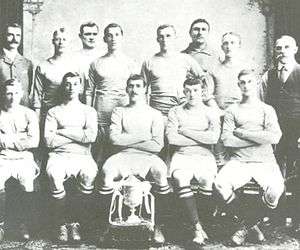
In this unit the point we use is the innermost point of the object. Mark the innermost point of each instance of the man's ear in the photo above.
(296, 49)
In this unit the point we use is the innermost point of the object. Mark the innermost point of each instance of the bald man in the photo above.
(281, 89)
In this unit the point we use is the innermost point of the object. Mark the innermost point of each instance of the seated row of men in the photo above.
(137, 131)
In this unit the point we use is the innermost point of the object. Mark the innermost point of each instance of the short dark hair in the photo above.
(112, 25)
(4, 85)
(246, 72)
(192, 81)
(88, 24)
(163, 26)
(199, 20)
(135, 77)
(12, 24)
(233, 34)
(60, 97)
(59, 30)
(67, 75)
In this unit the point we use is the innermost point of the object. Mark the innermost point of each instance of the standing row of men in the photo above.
(169, 79)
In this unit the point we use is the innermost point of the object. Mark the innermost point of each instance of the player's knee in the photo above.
(180, 178)
(88, 174)
(272, 195)
(159, 174)
(222, 188)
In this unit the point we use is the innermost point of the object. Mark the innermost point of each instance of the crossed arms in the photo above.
(150, 141)
(236, 137)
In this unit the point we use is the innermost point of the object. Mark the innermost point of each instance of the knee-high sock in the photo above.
(83, 205)
(103, 205)
(2, 206)
(253, 211)
(161, 206)
(28, 204)
(188, 204)
(190, 207)
(206, 205)
(59, 211)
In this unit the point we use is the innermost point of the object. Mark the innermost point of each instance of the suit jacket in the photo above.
(284, 97)
(22, 70)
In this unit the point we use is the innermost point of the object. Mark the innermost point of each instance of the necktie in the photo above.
(283, 74)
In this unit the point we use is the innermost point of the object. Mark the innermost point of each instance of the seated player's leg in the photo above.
(56, 171)
(26, 171)
(273, 186)
(83, 199)
(158, 171)
(5, 174)
(205, 174)
(182, 168)
(231, 177)
(114, 169)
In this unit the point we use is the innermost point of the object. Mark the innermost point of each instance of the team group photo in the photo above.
(179, 132)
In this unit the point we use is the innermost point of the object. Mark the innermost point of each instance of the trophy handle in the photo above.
(113, 206)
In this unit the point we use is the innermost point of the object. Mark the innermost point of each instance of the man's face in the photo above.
(193, 94)
(285, 49)
(248, 85)
(136, 90)
(231, 45)
(199, 33)
(13, 96)
(114, 38)
(89, 37)
(61, 42)
(13, 38)
(166, 38)
(72, 88)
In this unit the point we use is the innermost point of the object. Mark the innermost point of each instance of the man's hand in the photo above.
(239, 132)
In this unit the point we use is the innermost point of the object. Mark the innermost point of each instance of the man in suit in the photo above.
(12, 64)
(280, 88)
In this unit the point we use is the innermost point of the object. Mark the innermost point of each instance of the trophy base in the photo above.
(140, 223)
(133, 219)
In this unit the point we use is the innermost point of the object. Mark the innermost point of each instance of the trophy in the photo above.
(134, 194)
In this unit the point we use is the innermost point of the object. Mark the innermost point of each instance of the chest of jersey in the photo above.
(11, 123)
(197, 120)
(167, 74)
(250, 118)
(134, 121)
(112, 72)
(67, 118)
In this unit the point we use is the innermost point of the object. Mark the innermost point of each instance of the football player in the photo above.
(107, 83)
(19, 132)
(250, 128)
(70, 129)
(138, 130)
(193, 128)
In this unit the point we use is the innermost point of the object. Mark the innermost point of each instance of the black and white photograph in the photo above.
(150, 124)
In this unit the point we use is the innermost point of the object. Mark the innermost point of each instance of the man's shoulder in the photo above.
(154, 111)
(177, 108)
(233, 108)
(87, 108)
(25, 110)
(23, 58)
(266, 107)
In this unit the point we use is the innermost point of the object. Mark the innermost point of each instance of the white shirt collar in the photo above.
(10, 54)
